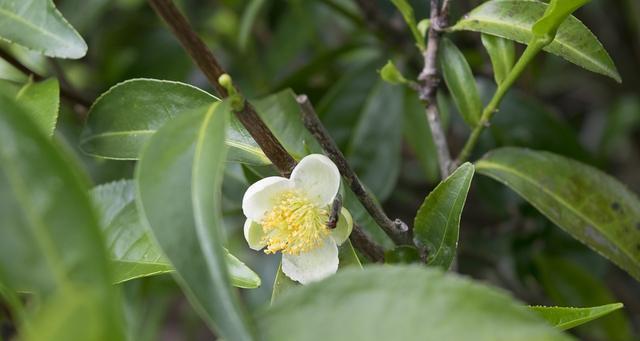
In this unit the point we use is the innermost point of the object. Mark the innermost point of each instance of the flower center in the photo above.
(294, 224)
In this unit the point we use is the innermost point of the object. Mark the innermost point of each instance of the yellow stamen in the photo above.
(294, 224)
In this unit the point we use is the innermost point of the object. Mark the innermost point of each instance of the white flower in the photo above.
(291, 215)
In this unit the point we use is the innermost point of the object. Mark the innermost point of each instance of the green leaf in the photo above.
(407, 13)
(502, 53)
(364, 115)
(40, 101)
(388, 303)
(459, 78)
(39, 26)
(390, 74)
(418, 135)
(179, 180)
(568, 284)
(123, 119)
(375, 147)
(43, 101)
(246, 23)
(554, 16)
(133, 251)
(588, 204)
(281, 113)
(437, 223)
(347, 258)
(50, 228)
(514, 19)
(565, 318)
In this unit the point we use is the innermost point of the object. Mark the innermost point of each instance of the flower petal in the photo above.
(344, 227)
(254, 234)
(314, 265)
(259, 197)
(319, 177)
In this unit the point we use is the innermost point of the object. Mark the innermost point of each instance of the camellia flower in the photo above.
(290, 216)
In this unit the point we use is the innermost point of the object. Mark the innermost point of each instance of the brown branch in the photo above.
(429, 85)
(209, 65)
(398, 231)
(207, 62)
(65, 92)
(367, 246)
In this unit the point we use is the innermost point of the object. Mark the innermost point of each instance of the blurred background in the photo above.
(332, 50)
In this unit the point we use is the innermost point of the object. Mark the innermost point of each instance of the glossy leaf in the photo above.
(407, 13)
(502, 53)
(50, 228)
(179, 183)
(565, 318)
(554, 16)
(388, 303)
(39, 26)
(123, 119)
(40, 101)
(514, 19)
(437, 223)
(134, 253)
(568, 284)
(281, 113)
(460, 82)
(364, 115)
(591, 206)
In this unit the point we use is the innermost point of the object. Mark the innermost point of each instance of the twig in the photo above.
(397, 230)
(429, 85)
(368, 247)
(207, 62)
(209, 65)
(65, 92)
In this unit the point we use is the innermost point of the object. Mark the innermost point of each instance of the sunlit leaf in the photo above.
(179, 192)
(568, 284)
(123, 119)
(50, 242)
(565, 318)
(514, 19)
(133, 251)
(39, 26)
(388, 303)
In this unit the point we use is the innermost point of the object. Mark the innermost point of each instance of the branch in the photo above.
(207, 62)
(367, 246)
(209, 65)
(397, 230)
(429, 85)
(65, 92)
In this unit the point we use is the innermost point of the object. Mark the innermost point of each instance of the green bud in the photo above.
(392, 75)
